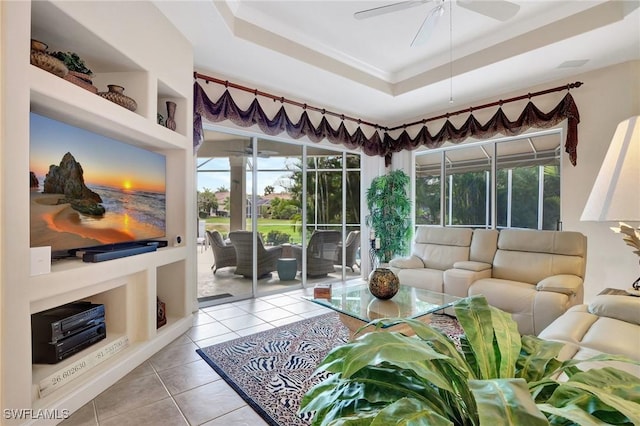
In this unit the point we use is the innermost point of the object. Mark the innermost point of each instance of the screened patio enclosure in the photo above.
(286, 210)
(506, 183)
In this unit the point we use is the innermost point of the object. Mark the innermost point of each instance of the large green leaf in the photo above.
(537, 358)
(507, 401)
(395, 348)
(573, 413)
(606, 393)
(438, 341)
(474, 315)
(409, 412)
(383, 384)
(508, 341)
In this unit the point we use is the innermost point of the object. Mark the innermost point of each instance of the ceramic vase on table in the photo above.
(170, 122)
(383, 283)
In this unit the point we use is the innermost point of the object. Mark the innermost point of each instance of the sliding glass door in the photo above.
(290, 213)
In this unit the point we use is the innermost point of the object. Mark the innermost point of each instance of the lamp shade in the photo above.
(616, 193)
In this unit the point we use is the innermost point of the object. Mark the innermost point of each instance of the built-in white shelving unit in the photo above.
(155, 66)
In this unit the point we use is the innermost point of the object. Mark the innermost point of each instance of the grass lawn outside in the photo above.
(221, 224)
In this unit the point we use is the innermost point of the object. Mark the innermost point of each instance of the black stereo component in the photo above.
(57, 323)
(53, 352)
(60, 332)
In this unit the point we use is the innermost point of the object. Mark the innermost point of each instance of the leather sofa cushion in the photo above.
(623, 308)
(530, 256)
(440, 257)
(429, 279)
(443, 236)
(566, 284)
(588, 334)
(441, 247)
(406, 263)
(554, 242)
(483, 245)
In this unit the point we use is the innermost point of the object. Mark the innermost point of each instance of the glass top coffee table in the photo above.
(357, 306)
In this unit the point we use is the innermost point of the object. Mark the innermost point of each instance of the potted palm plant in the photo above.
(78, 73)
(389, 214)
(495, 376)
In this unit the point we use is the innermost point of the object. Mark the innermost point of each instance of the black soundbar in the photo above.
(106, 254)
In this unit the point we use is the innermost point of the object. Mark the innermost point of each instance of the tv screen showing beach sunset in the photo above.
(88, 189)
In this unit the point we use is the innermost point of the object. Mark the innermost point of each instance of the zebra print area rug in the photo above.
(273, 369)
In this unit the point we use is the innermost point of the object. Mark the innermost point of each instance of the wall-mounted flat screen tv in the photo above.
(90, 190)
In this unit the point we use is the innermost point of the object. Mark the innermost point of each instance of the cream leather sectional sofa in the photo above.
(609, 324)
(536, 276)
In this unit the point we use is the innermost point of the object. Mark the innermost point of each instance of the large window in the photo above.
(510, 183)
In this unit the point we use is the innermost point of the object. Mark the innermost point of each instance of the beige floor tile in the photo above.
(144, 369)
(164, 412)
(201, 318)
(84, 416)
(128, 395)
(208, 402)
(256, 329)
(287, 320)
(244, 321)
(227, 313)
(245, 416)
(205, 331)
(188, 376)
(174, 355)
(217, 339)
(273, 314)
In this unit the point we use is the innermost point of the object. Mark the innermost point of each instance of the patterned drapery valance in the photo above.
(225, 108)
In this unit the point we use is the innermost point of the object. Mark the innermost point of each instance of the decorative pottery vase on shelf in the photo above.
(41, 59)
(383, 283)
(170, 122)
(116, 95)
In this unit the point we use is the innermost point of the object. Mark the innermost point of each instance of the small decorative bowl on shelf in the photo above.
(116, 95)
(41, 59)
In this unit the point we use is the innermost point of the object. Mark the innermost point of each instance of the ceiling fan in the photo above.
(502, 10)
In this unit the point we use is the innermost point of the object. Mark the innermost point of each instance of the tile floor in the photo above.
(176, 387)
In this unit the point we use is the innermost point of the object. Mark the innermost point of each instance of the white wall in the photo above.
(608, 96)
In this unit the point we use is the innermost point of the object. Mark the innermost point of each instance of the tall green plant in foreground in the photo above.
(389, 213)
(496, 378)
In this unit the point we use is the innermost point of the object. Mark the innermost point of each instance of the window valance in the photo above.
(225, 108)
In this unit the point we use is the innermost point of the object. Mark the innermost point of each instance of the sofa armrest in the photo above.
(564, 283)
(623, 308)
(457, 281)
(413, 262)
(470, 265)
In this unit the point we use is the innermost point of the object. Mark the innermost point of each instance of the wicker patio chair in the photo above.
(320, 252)
(267, 257)
(223, 254)
(352, 244)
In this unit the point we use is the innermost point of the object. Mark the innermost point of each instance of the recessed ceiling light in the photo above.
(573, 64)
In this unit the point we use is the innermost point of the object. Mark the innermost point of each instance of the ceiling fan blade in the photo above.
(389, 8)
(501, 10)
(428, 25)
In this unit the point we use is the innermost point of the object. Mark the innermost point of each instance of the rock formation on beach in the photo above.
(33, 180)
(68, 179)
